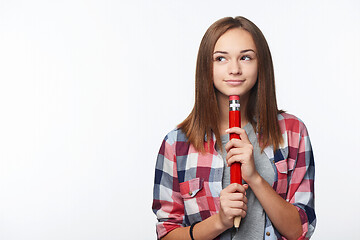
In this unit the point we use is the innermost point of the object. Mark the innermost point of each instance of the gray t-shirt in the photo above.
(253, 225)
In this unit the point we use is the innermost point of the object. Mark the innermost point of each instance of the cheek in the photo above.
(253, 72)
(252, 75)
(217, 73)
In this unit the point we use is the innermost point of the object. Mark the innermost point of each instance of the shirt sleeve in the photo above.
(168, 204)
(301, 184)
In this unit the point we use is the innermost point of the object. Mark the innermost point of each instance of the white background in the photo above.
(88, 90)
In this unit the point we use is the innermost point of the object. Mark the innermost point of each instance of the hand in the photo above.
(241, 150)
(232, 203)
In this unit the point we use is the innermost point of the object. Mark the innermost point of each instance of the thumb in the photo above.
(246, 186)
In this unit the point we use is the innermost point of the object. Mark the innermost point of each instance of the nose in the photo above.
(234, 68)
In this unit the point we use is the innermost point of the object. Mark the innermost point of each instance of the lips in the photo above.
(234, 81)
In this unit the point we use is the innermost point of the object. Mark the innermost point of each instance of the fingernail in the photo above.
(227, 130)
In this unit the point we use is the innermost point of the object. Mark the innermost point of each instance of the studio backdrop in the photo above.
(88, 90)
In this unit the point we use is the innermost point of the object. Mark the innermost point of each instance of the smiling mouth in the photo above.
(234, 81)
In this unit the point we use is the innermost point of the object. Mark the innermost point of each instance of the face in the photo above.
(234, 63)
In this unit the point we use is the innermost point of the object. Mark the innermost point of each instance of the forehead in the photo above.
(236, 39)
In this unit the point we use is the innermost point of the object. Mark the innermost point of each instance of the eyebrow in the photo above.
(243, 51)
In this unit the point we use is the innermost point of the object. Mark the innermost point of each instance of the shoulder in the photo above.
(175, 135)
(176, 142)
(291, 123)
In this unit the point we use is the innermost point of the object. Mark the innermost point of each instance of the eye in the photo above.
(246, 58)
(220, 59)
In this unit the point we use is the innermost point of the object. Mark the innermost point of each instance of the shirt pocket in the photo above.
(190, 188)
(193, 194)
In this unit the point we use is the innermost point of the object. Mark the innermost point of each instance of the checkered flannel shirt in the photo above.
(188, 184)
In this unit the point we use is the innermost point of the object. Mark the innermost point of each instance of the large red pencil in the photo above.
(235, 121)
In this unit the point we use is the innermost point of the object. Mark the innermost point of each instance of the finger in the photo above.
(239, 188)
(237, 205)
(240, 131)
(233, 188)
(227, 204)
(234, 151)
(239, 209)
(246, 151)
(236, 130)
(240, 213)
(237, 196)
(240, 158)
(235, 143)
(234, 212)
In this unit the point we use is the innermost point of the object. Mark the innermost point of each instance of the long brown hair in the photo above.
(262, 106)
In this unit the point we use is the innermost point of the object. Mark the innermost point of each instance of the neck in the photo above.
(223, 104)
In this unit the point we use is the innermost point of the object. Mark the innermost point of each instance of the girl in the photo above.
(193, 197)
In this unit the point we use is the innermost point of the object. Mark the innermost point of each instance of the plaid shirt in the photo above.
(188, 184)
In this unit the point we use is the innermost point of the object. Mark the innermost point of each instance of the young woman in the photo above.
(193, 197)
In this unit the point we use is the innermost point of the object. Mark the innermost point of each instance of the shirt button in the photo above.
(267, 233)
(190, 193)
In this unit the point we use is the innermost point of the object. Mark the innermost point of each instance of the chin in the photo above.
(226, 94)
(234, 93)
(230, 92)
